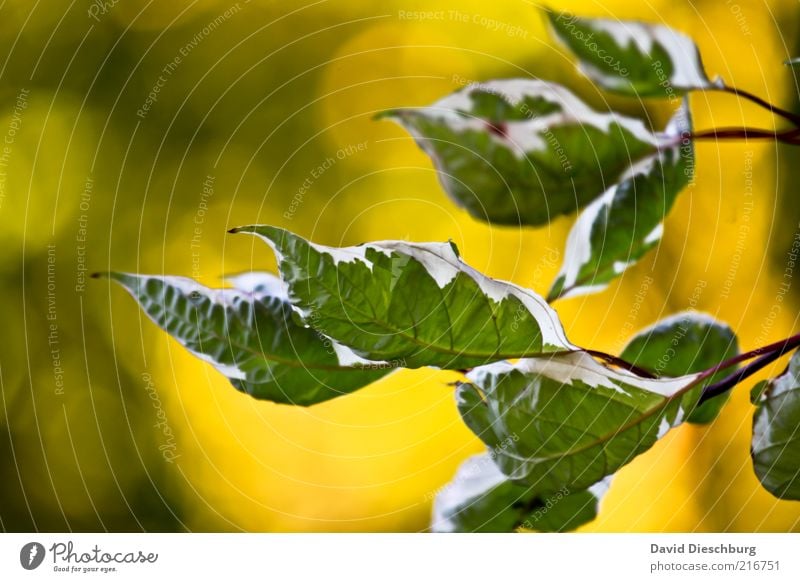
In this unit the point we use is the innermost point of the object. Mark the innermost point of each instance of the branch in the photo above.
(770, 353)
(620, 363)
(789, 136)
(795, 119)
(793, 340)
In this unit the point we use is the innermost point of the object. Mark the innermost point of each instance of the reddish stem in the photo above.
(793, 341)
(762, 103)
(619, 362)
(789, 136)
(738, 376)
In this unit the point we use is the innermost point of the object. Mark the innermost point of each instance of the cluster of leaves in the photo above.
(557, 420)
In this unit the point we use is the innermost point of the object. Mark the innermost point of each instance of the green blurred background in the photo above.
(136, 133)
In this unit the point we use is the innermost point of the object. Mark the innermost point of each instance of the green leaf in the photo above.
(417, 304)
(524, 151)
(633, 58)
(249, 335)
(686, 343)
(568, 421)
(776, 432)
(480, 498)
(622, 225)
(792, 62)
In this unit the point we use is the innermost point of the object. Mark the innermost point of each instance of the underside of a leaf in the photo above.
(249, 335)
(480, 498)
(686, 343)
(776, 432)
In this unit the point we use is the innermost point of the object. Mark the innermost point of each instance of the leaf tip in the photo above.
(555, 16)
(257, 229)
(400, 116)
(127, 280)
(386, 114)
(454, 248)
(279, 239)
(111, 275)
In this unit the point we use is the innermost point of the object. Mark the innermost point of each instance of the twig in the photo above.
(619, 362)
(729, 382)
(762, 103)
(789, 136)
(792, 341)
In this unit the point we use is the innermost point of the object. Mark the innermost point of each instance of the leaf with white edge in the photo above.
(686, 343)
(621, 226)
(249, 335)
(480, 498)
(417, 304)
(776, 432)
(568, 421)
(524, 152)
(633, 58)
